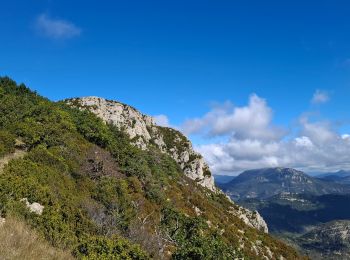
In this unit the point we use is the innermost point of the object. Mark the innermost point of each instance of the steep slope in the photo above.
(102, 197)
(328, 241)
(143, 132)
(265, 183)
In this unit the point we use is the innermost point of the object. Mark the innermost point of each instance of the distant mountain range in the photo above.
(268, 182)
(310, 213)
(341, 176)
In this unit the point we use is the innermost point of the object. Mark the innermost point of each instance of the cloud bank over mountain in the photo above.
(249, 139)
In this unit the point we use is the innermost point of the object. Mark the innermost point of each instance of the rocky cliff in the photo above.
(251, 218)
(144, 132)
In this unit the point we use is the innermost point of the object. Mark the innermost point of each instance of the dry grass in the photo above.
(16, 155)
(19, 242)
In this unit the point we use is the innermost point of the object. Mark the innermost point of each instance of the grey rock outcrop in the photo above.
(33, 207)
(251, 218)
(143, 131)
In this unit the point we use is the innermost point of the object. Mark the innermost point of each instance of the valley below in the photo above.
(311, 214)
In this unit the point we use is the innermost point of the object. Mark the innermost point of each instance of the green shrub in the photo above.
(7, 142)
(97, 247)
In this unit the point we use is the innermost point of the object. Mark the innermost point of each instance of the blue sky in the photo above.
(185, 59)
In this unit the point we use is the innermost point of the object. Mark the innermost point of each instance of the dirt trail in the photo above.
(4, 160)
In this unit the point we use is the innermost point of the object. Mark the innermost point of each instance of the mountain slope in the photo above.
(102, 197)
(328, 241)
(265, 183)
(146, 135)
(143, 132)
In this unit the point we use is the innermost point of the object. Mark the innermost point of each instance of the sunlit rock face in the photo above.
(143, 132)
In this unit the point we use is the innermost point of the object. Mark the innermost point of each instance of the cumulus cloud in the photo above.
(251, 121)
(253, 141)
(162, 120)
(319, 97)
(56, 28)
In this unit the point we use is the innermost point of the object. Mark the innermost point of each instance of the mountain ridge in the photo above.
(267, 182)
(143, 132)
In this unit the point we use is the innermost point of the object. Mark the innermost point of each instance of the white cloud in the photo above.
(56, 28)
(303, 141)
(346, 137)
(162, 120)
(253, 141)
(251, 121)
(319, 97)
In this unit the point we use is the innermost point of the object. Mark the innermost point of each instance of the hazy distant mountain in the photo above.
(221, 179)
(339, 177)
(267, 182)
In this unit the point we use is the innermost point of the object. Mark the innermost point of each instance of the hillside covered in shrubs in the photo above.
(104, 198)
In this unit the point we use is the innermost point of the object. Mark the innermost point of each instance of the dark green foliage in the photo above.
(174, 139)
(114, 195)
(193, 239)
(7, 142)
(102, 248)
(206, 172)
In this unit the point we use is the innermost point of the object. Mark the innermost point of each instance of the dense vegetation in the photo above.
(103, 197)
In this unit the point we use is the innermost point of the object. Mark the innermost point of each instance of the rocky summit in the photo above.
(143, 132)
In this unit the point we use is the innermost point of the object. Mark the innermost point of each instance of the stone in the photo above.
(33, 207)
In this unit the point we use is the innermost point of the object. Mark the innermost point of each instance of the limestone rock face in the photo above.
(33, 207)
(251, 218)
(143, 132)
